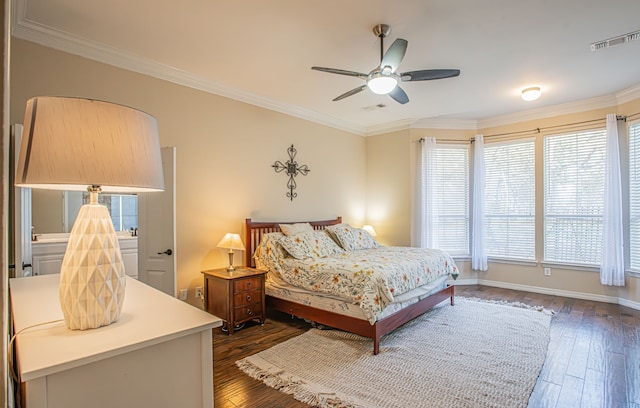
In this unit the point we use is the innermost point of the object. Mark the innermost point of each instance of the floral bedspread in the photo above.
(368, 277)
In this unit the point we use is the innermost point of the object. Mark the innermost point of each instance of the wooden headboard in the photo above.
(254, 230)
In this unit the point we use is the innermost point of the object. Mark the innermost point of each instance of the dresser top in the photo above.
(148, 317)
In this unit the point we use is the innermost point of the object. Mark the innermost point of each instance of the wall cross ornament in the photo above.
(292, 169)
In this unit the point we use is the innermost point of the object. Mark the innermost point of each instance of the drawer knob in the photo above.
(248, 298)
(249, 283)
(249, 311)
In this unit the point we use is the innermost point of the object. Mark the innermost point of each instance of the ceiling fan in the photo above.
(383, 79)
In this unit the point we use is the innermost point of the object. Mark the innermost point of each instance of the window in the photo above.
(634, 196)
(450, 198)
(574, 197)
(124, 211)
(122, 208)
(510, 199)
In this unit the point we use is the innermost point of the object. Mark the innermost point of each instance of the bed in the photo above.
(321, 307)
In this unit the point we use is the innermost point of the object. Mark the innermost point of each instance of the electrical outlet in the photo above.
(199, 292)
(183, 294)
(547, 271)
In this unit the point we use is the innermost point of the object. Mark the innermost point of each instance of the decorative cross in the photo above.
(292, 170)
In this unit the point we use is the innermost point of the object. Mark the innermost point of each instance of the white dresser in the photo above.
(48, 251)
(159, 354)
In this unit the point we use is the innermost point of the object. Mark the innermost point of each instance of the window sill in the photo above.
(520, 262)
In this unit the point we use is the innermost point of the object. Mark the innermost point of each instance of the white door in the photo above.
(22, 213)
(156, 230)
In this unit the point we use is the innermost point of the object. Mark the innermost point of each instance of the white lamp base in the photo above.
(92, 277)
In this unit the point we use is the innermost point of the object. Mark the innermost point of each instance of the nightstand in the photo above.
(235, 296)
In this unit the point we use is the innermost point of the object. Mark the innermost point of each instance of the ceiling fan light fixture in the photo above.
(531, 94)
(382, 84)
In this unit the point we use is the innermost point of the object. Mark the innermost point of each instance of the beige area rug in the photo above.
(474, 354)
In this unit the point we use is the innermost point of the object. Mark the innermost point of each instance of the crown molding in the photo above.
(628, 95)
(460, 124)
(550, 111)
(29, 31)
(426, 123)
(388, 127)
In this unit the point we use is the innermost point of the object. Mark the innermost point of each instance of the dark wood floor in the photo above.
(593, 358)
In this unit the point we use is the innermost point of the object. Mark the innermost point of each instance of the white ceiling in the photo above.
(261, 51)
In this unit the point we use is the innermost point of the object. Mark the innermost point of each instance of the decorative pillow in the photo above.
(269, 252)
(351, 238)
(293, 229)
(314, 244)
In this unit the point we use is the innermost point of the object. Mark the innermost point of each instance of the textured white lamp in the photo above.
(78, 144)
(370, 230)
(231, 241)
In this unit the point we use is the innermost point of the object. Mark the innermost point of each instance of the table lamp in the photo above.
(370, 230)
(83, 144)
(231, 241)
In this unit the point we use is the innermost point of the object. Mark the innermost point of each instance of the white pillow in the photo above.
(352, 239)
(293, 229)
(314, 244)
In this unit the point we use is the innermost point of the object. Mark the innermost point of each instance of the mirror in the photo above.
(55, 211)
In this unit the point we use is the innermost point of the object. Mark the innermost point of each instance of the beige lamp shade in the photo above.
(71, 143)
(231, 241)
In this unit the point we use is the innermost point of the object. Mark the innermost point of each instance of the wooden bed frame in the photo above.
(253, 235)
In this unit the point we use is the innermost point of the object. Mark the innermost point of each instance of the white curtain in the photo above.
(612, 265)
(478, 253)
(423, 217)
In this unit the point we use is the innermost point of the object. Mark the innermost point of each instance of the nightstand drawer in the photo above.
(247, 312)
(247, 284)
(247, 298)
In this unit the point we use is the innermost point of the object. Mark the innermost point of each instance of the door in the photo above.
(21, 209)
(156, 230)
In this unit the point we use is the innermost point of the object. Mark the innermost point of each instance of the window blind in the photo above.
(574, 197)
(510, 199)
(634, 196)
(450, 202)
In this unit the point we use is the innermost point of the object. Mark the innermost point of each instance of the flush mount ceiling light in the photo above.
(531, 94)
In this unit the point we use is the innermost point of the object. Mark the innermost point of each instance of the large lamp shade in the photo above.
(84, 144)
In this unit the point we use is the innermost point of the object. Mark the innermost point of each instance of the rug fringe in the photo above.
(294, 387)
(549, 312)
(520, 305)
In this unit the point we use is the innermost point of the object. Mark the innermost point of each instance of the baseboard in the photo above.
(550, 291)
(463, 282)
(629, 303)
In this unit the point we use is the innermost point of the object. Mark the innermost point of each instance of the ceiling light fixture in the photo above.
(531, 94)
(382, 82)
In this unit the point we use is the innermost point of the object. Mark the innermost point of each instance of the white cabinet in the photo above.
(129, 251)
(47, 254)
(159, 354)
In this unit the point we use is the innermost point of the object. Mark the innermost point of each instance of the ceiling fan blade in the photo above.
(351, 92)
(340, 72)
(394, 54)
(428, 74)
(399, 95)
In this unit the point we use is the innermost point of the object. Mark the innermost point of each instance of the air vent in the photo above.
(615, 41)
(374, 107)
